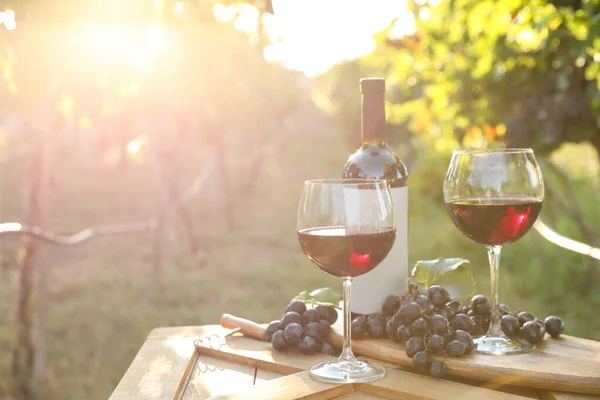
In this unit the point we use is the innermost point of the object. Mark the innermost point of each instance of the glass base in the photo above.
(499, 345)
(346, 372)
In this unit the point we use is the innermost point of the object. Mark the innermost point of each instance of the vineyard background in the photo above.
(166, 113)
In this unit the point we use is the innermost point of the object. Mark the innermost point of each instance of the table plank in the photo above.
(156, 370)
(159, 366)
(251, 352)
(212, 377)
(290, 387)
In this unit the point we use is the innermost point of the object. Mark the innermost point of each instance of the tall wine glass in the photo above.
(494, 197)
(346, 227)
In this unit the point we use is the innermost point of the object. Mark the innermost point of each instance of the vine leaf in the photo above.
(454, 274)
(321, 297)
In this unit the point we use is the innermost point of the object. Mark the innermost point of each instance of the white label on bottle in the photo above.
(391, 276)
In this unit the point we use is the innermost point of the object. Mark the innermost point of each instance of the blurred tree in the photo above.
(526, 73)
(161, 77)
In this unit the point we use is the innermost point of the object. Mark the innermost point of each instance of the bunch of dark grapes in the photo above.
(434, 324)
(306, 329)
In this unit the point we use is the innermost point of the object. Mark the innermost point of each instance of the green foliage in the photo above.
(454, 274)
(475, 72)
(321, 297)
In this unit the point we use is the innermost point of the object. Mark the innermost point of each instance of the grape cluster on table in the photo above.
(304, 328)
(434, 324)
(428, 325)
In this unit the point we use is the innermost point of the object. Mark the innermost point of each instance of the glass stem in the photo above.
(494, 257)
(347, 354)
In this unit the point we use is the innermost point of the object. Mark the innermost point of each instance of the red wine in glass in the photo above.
(496, 221)
(344, 254)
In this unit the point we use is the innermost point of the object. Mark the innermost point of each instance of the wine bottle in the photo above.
(375, 160)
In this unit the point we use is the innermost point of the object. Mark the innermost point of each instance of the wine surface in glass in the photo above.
(494, 221)
(346, 254)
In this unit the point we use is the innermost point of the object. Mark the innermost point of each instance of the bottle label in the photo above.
(391, 276)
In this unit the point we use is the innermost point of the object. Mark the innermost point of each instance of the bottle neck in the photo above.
(373, 118)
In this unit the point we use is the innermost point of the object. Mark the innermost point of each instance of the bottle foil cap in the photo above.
(372, 85)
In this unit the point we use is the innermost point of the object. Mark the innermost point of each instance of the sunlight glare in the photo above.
(136, 144)
(224, 13)
(403, 26)
(247, 20)
(315, 35)
(179, 7)
(8, 18)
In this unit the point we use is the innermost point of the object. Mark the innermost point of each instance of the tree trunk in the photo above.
(596, 143)
(24, 351)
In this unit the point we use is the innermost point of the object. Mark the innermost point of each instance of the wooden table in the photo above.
(169, 367)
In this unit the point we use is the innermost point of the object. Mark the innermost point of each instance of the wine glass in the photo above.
(494, 197)
(346, 227)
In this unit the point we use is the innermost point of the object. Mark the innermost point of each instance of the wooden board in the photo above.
(396, 385)
(566, 364)
(157, 371)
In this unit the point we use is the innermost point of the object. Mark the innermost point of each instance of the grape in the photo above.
(480, 305)
(376, 327)
(439, 324)
(435, 344)
(504, 309)
(311, 315)
(470, 313)
(554, 326)
(456, 348)
(296, 306)
(446, 312)
(482, 324)
(525, 317)
(390, 330)
(293, 333)
(455, 306)
(325, 328)
(273, 327)
(333, 315)
(426, 305)
(466, 339)
(278, 341)
(414, 345)
(438, 369)
(532, 332)
(510, 325)
(358, 328)
(420, 327)
(438, 295)
(323, 312)
(326, 348)
(410, 312)
(422, 361)
(391, 304)
(291, 317)
(308, 345)
(465, 309)
(542, 326)
(397, 318)
(313, 330)
(463, 322)
(450, 332)
(403, 333)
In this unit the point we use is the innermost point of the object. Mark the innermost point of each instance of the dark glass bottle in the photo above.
(375, 160)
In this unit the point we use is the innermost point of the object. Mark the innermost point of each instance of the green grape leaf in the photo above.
(321, 297)
(454, 274)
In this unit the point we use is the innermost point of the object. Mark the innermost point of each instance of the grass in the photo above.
(102, 304)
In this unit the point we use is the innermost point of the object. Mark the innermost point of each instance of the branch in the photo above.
(565, 242)
(14, 228)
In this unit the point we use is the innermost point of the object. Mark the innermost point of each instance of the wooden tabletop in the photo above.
(168, 367)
